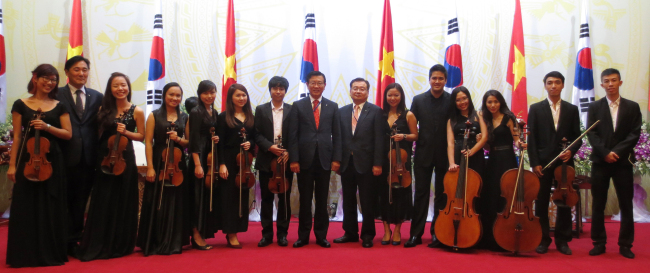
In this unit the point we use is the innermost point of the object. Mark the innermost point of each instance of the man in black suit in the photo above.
(613, 141)
(271, 122)
(430, 109)
(314, 151)
(81, 150)
(549, 121)
(362, 132)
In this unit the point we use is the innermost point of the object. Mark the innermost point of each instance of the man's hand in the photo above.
(335, 166)
(283, 158)
(565, 156)
(611, 157)
(275, 150)
(295, 167)
(538, 170)
(376, 170)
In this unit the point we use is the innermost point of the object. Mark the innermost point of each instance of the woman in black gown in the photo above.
(502, 126)
(203, 118)
(164, 224)
(398, 211)
(112, 222)
(238, 115)
(461, 110)
(38, 222)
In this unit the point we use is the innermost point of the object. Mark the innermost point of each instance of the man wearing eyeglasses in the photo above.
(81, 150)
(314, 151)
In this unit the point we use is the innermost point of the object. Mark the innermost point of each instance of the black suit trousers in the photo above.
(422, 193)
(623, 177)
(80, 183)
(284, 208)
(313, 182)
(366, 182)
(563, 221)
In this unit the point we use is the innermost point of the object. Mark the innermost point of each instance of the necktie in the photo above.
(79, 104)
(316, 112)
(355, 118)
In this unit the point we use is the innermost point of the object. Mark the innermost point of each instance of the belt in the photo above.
(501, 148)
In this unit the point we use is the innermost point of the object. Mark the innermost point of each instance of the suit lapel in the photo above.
(607, 116)
(563, 115)
(310, 111)
(285, 112)
(620, 112)
(68, 95)
(88, 102)
(269, 111)
(546, 109)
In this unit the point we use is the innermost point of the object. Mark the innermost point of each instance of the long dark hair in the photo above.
(44, 70)
(163, 107)
(454, 112)
(401, 106)
(487, 115)
(205, 86)
(106, 116)
(230, 107)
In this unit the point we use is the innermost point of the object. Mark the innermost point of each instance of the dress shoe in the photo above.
(233, 246)
(626, 252)
(282, 241)
(323, 243)
(195, 245)
(346, 239)
(434, 243)
(541, 249)
(389, 239)
(413, 242)
(264, 242)
(597, 250)
(563, 248)
(367, 243)
(300, 243)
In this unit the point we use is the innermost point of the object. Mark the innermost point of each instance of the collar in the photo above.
(617, 101)
(74, 89)
(360, 106)
(312, 99)
(551, 102)
(273, 108)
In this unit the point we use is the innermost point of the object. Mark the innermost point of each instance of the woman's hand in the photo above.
(398, 137)
(198, 171)
(246, 145)
(11, 174)
(215, 139)
(223, 172)
(173, 135)
(453, 167)
(151, 175)
(468, 152)
(121, 128)
(38, 124)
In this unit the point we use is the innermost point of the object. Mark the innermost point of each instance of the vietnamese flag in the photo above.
(76, 37)
(230, 71)
(516, 75)
(386, 74)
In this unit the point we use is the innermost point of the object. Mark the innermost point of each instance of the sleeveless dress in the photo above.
(112, 222)
(501, 158)
(38, 231)
(168, 226)
(476, 161)
(229, 193)
(200, 142)
(400, 209)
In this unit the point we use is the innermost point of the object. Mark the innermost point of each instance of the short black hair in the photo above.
(278, 81)
(359, 79)
(190, 103)
(316, 73)
(610, 71)
(74, 60)
(554, 74)
(439, 68)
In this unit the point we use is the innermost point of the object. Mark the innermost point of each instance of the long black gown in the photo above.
(200, 142)
(229, 193)
(38, 222)
(170, 230)
(501, 158)
(400, 209)
(112, 222)
(476, 161)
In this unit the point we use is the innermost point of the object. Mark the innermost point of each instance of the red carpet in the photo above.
(351, 257)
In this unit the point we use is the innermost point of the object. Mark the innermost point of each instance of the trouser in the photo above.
(350, 180)
(623, 177)
(422, 194)
(313, 182)
(284, 209)
(79, 185)
(563, 220)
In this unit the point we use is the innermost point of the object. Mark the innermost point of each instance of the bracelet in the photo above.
(48, 127)
(404, 135)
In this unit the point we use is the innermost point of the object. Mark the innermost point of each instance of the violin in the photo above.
(517, 229)
(458, 225)
(37, 168)
(213, 173)
(114, 163)
(245, 179)
(399, 176)
(278, 182)
(170, 171)
(565, 195)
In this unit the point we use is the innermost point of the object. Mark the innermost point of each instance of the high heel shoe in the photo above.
(231, 245)
(387, 242)
(195, 245)
(396, 243)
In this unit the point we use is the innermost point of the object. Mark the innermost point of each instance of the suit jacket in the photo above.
(544, 142)
(84, 141)
(265, 135)
(305, 139)
(367, 142)
(604, 139)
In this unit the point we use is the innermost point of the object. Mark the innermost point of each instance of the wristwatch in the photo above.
(48, 127)
(404, 135)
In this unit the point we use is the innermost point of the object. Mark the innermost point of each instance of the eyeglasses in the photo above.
(316, 84)
(360, 89)
(51, 80)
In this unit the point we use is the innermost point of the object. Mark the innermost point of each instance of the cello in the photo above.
(399, 176)
(517, 229)
(458, 225)
(245, 178)
(565, 195)
(114, 163)
(170, 172)
(278, 182)
(37, 168)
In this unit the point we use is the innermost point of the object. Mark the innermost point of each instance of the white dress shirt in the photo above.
(277, 120)
(320, 102)
(613, 109)
(555, 110)
(360, 109)
(73, 90)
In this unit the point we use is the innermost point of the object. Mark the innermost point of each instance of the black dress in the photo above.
(112, 222)
(170, 224)
(229, 193)
(400, 209)
(501, 158)
(38, 222)
(200, 142)
(476, 161)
